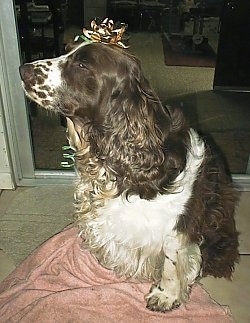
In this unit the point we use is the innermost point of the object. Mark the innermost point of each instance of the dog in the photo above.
(153, 202)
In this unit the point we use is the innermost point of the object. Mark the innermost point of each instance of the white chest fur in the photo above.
(129, 235)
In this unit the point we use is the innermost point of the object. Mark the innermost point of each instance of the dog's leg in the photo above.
(181, 268)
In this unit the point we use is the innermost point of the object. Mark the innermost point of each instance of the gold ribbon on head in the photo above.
(105, 32)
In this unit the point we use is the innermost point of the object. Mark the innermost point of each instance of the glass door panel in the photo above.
(176, 42)
(41, 26)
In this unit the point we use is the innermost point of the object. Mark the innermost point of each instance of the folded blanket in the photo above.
(59, 282)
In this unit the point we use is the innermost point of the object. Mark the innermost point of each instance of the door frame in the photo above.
(16, 118)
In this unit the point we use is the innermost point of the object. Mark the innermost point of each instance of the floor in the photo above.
(16, 217)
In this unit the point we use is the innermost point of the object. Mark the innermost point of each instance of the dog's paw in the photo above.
(160, 300)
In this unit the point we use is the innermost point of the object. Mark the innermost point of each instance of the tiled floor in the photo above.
(235, 294)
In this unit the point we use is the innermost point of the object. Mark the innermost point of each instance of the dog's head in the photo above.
(110, 105)
(87, 81)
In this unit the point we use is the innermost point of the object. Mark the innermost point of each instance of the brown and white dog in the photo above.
(153, 202)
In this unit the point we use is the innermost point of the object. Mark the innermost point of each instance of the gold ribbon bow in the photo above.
(104, 33)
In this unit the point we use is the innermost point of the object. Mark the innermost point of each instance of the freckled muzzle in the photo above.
(40, 79)
(32, 74)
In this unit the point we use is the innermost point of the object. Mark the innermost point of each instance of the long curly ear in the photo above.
(132, 141)
(74, 136)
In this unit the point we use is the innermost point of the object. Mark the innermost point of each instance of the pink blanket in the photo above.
(59, 282)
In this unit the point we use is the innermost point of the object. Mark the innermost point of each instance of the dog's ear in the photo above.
(75, 135)
(129, 133)
(135, 129)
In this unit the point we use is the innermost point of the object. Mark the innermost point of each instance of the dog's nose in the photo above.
(27, 72)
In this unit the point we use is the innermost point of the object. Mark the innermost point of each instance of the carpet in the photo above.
(180, 51)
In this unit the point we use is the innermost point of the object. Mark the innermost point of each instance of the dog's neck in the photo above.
(96, 184)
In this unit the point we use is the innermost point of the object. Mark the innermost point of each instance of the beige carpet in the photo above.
(35, 215)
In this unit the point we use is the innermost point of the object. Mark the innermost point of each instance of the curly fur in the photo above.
(153, 201)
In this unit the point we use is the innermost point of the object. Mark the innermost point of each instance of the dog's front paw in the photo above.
(160, 300)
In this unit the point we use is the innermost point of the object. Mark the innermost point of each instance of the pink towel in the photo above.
(59, 282)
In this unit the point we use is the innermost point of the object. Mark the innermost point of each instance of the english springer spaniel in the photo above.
(152, 202)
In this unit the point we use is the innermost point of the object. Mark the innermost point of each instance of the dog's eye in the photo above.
(81, 65)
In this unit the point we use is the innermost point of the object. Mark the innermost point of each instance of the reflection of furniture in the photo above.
(139, 14)
(94, 9)
(203, 10)
(171, 17)
(124, 11)
(38, 19)
(151, 15)
(41, 26)
(177, 13)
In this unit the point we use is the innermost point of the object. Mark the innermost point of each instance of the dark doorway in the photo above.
(232, 67)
